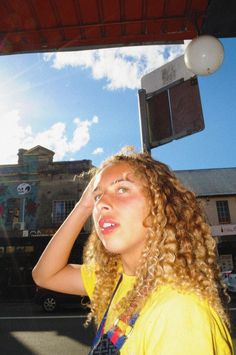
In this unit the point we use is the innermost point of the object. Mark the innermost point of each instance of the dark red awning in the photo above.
(52, 25)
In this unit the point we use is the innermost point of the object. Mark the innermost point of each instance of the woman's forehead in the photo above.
(115, 171)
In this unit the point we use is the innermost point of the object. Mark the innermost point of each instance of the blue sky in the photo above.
(84, 105)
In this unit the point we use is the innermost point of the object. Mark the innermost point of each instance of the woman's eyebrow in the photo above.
(121, 180)
(116, 181)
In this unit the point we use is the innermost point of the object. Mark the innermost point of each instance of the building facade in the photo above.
(37, 194)
(216, 191)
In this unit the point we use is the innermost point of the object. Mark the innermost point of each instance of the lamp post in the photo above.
(204, 55)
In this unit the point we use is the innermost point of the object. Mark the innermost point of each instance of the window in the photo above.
(29, 248)
(226, 262)
(223, 211)
(10, 249)
(13, 211)
(61, 209)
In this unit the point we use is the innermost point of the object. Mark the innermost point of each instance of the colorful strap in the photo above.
(102, 324)
(120, 331)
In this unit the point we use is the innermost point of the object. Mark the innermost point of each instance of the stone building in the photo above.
(216, 190)
(37, 193)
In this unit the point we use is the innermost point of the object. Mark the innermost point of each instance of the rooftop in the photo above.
(209, 182)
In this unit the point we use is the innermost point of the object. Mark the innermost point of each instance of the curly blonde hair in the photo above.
(179, 249)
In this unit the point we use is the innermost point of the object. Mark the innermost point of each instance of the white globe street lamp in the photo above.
(204, 55)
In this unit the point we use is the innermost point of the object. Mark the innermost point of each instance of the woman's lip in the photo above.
(107, 225)
(104, 221)
(109, 229)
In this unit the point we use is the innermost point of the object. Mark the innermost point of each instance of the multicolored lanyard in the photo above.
(120, 330)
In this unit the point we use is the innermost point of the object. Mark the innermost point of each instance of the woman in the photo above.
(149, 265)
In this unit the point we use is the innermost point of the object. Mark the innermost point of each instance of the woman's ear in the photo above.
(148, 221)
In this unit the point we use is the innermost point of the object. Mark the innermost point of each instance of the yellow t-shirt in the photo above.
(170, 323)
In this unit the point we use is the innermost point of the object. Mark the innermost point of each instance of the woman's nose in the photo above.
(104, 202)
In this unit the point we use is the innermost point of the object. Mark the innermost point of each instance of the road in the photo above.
(26, 330)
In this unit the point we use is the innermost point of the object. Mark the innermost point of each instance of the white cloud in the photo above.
(120, 67)
(14, 135)
(95, 119)
(81, 134)
(98, 150)
(11, 135)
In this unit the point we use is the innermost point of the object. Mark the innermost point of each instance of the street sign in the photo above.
(166, 75)
(172, 111)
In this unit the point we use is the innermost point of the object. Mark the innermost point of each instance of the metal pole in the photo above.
(23, 210)
(143, 122)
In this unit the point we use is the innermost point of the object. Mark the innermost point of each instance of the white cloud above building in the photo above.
(14, 135)
(122, 68)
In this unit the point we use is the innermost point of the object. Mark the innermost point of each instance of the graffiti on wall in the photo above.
(23, 188)
(31, 207)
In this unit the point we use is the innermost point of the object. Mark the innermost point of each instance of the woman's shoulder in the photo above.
(186, 319)
(174, 302)
(171, 293)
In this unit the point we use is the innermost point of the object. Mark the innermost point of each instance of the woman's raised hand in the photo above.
(87, 199)
(52, 270)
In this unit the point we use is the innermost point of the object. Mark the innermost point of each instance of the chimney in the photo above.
(20, 154)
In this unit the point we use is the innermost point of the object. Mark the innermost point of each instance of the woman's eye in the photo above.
(122, 190)
(97, 197)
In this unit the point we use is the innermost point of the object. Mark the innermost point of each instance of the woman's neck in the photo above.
(129, 268)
